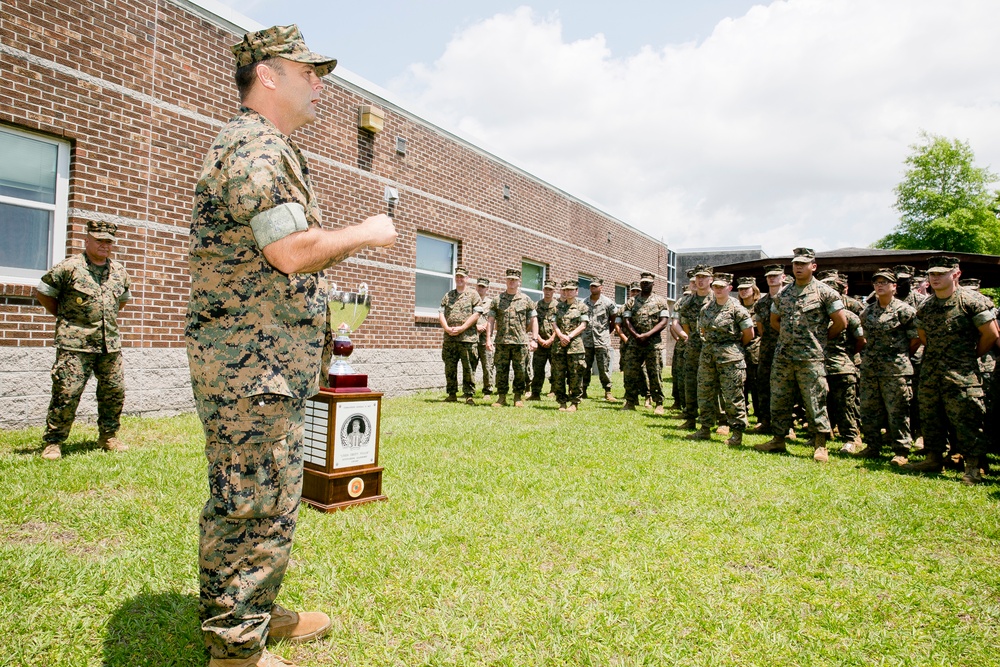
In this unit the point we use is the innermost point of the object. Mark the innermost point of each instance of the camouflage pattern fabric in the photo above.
(89, 297)
(804, 312)
(567, 375)
(254, 450)
(768, 345)
(457, 307)
(509, 357)
(69, 377)
(483, 354)
(803, 381)
(454, 352)
(600, 357)
(642, 366)
(840, 350)
(721, 329)
(688, 313)
(255, 342)
(721, 379)
(677, 372)
(889, 331)
(570, 315)
(842, 404)
(951, 392)
(540, 357)
(852, 304)
(512, 313)
(546, 313)
(602, 318)
(885, 403)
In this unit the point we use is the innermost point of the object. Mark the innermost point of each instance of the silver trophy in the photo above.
(347, 311)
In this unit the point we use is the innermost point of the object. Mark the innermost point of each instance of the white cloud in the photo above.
(787, 126)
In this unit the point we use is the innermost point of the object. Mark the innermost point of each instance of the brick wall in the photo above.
(140, 89)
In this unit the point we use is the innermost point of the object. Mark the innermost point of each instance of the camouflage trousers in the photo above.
(804, 381)
(254, 451)
(762, 408)
(885, 403)
(643, 361)
(600, 357)
(541, 356)
(692, 361)
(454, 351)
(725, 380)
(489, 371)
(677, 373)
(915, 430)
(842, 404)
(634, 381)
(944, 406)
(70, 373)
(509, 357)
(567, 376)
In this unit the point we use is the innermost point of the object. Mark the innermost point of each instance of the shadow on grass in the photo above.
(67, 448)
(155, 629)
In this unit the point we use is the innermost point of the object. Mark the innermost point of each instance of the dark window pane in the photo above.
(28, 168)
(430, 289)
(435, 255)
(24, 237)
(532, 277)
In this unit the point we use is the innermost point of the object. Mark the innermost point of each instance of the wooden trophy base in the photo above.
(341, 449)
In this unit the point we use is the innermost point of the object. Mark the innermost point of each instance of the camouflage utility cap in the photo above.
(280, 41)
(646, 278)
(461, 271)
(690, 274)
(633, 287)
(903, 271)
(807, 255)
(941, 264)
(549, 284)
(886, 273)
(703, 270)
(774, 270)
(597, 281)
(102, 230)
(514, 273)
(746, 282)
(969, 282)
(827, 273)
(570, 284)
(484, 282)
(722, 279)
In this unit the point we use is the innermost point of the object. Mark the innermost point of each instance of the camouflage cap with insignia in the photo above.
(280, 41)
(461, 271)
(570, 284)
(774, 270)
(969, 282)
(746, 282)
(633, 286)
(941, 264)
(722, 279)
(549, 284)
(485, 282)
(646, 277)
(903, 271)
(807, 255)
(513, 273)
(103, 230)
(827, 273)
(703, 270)
(597, 281)
(887, 273)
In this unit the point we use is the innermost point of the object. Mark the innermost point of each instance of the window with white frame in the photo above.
(435, 272)
(34, 188)
(532, 279)
(621, 294)
(583, 282)
(671, 274)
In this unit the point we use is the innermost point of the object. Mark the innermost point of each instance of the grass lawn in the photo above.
(517, 537)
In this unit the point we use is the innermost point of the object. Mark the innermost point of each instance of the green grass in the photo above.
(517, 537)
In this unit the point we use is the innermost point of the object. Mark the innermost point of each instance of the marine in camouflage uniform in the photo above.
(85, 293)
(692, 351)
(255, 334)
(515, 325)
(803, 311)
(677, 363)
(460, 309)
(725, 328)
(597, 338)
(482, 354)
(545, 311)
(748, 296)
(572, 318)
(956, 325)
(774, 274)
(621, 329)
(891, 332)
(908, 284)
(645, 317)
(842, 373)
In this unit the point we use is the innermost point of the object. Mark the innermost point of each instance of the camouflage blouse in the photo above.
(546, 318)
(569, 315)
(722, 328)
(689, 312)
(251, 329)
(457, 307)
(951, 327)
(762, 320)
(889, 331)
(645, 313)
(88, 304)
(840, 350)
(804, 312)
(513, 313)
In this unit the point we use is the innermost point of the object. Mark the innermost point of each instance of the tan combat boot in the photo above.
(562, 407)
(470, 401)
(704, 433)
(933, 463)
(262, 659)
(775, 444)
(628, 406)
(609, 397)
(972, 474)
(110, 443)
(819, 448)
(658, 410)
(452, 398)
(501, 401)
(518, 401)
(295, 628)
(736, 439)
(572, 407)
(52, 452)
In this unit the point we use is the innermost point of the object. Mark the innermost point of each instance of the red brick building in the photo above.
(106, 112)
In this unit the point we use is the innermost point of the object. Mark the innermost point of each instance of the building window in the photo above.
(34, 187)
(584, 284)
(435, 272)
(532, 279)
(671, 274)
(621, 294)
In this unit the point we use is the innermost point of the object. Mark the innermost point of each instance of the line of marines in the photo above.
(907, 369)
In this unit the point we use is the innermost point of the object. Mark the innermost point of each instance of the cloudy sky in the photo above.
(709, 123)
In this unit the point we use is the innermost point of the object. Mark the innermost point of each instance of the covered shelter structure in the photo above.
(858, 264)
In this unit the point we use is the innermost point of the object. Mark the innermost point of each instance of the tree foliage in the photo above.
(944, 201)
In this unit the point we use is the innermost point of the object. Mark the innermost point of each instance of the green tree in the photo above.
(944, 201)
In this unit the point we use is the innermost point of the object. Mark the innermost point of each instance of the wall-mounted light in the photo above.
(391, 194)
(371, 118)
